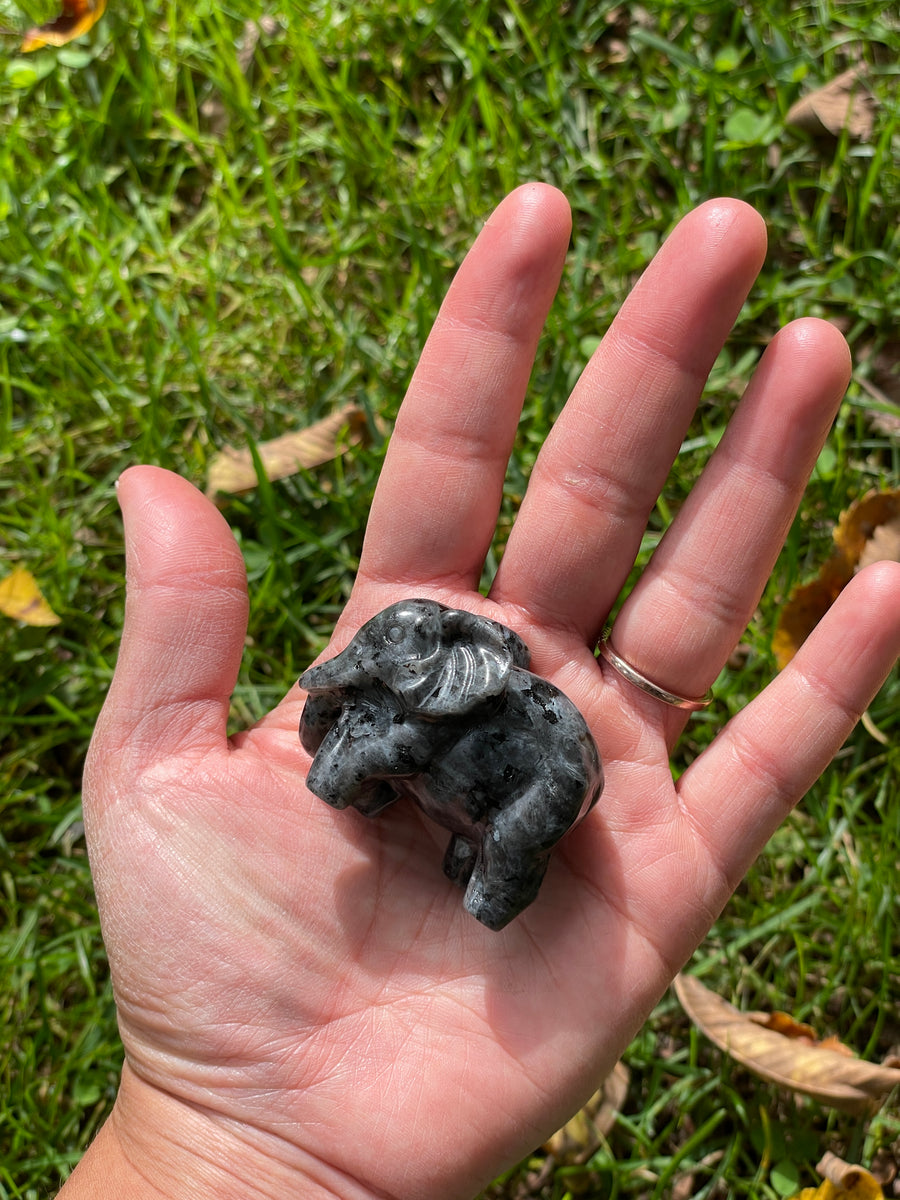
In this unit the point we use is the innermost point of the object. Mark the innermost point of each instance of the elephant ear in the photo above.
(472, 666)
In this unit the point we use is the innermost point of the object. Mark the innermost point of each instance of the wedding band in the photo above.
(627, 671)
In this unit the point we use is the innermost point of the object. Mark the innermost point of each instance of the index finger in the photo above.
(436, 505)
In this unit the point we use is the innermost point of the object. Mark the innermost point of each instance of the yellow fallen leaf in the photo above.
(580, 1137)
(233, 471)
(842, 103)
(74, 21)
(827, 1075)
(21, 599)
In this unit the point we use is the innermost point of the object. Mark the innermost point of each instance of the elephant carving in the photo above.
(437, 705)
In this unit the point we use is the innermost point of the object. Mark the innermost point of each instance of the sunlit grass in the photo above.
(193, 253)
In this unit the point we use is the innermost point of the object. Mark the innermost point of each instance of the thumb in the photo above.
(185, 623)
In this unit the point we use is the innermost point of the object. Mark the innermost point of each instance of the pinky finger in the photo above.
(769, 755)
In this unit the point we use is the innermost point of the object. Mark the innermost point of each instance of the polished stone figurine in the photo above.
(437, 705)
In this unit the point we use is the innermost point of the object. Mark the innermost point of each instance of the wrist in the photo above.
(157, 1147)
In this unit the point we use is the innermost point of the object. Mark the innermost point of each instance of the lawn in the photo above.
(211, 234)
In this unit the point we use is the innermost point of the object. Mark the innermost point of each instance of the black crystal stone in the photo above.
(437, 705)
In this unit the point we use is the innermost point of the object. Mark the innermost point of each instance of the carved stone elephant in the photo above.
(437, 705)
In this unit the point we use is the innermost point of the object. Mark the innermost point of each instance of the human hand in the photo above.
(306, 1007)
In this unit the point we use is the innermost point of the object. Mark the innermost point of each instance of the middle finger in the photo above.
(605, 462)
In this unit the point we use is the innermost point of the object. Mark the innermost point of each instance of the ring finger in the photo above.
(704, 580)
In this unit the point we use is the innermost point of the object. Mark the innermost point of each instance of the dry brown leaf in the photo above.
(21, 599)
(883, 545)
(869, 531)
(832, 1078)
(859, 524)
(808, 603)
(843, 103)
(581, 1137)
(232, 471)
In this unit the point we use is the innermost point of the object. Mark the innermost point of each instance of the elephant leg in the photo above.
(499, 891)
(512, 864)
(460, 859)
(374, 797)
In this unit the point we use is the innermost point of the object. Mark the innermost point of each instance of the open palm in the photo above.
(304, 1002)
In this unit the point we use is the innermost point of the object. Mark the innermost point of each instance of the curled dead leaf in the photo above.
(827, 1075)
(582, 1136)
(844, 103)
(869, 531)
(842, 1181)
(855, 1181)
(233, 471)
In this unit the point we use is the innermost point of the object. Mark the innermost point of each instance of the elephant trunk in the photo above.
(346, 670)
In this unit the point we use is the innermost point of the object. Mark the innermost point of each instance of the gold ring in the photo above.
(627, 671)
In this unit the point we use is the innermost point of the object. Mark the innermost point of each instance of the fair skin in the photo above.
(306, 1008)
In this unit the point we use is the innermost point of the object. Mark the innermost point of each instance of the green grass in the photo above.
(191, 256)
